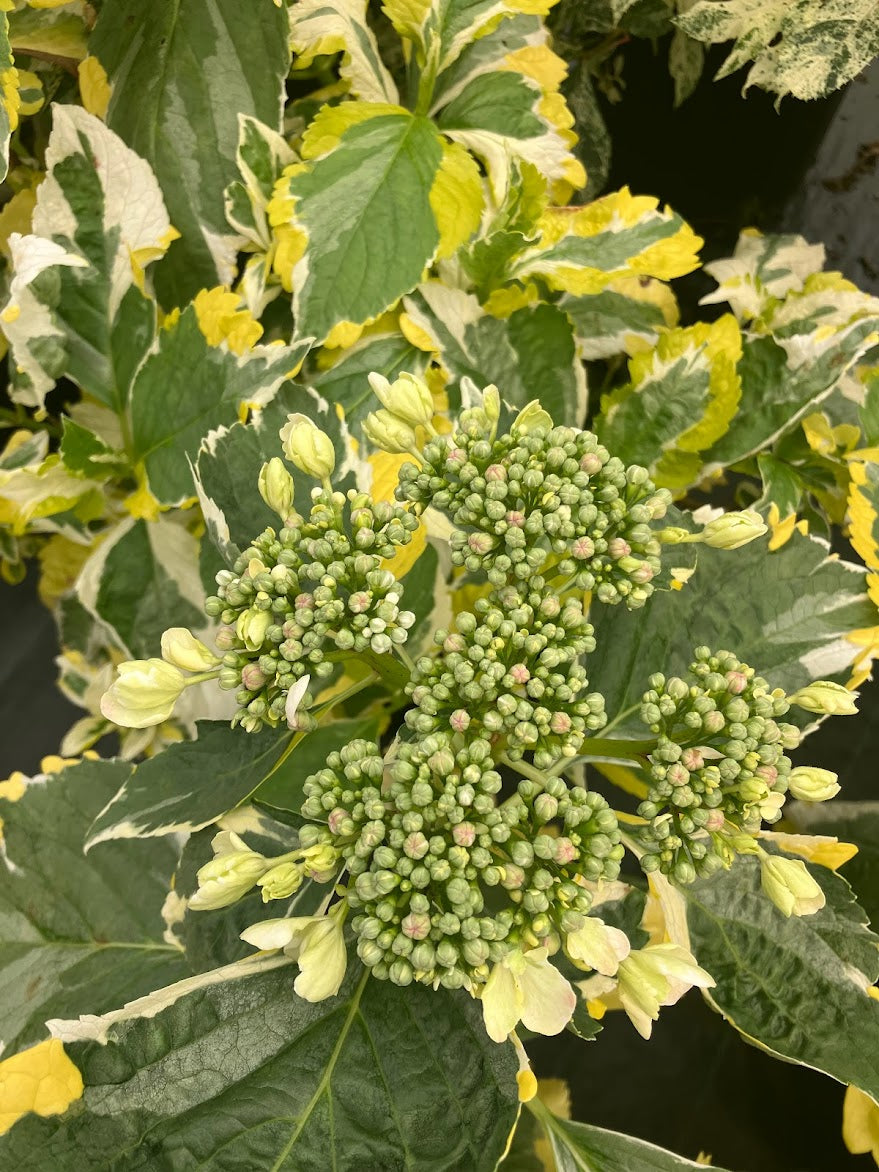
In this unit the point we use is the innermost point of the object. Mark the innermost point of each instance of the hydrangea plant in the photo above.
(365, 461)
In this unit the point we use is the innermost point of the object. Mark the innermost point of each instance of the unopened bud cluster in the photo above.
(719, 767)
(315, 587)
(445, 876)
(549, 499)
(511, 670)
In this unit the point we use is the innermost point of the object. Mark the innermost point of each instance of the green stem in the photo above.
(350, 691)
(611, 747)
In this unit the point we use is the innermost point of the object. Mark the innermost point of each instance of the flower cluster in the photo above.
(447, 876)
(316, 587)
(719, 764)
(541, 498)
(511, 669)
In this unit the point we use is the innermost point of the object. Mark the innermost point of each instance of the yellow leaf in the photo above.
(222, 317)
(822, 849)
(783, 530)
(456, 198)
(41, 1079)
(385, 474)
(325, 132)
(13, 787)
(860, 1124)
(94, 86)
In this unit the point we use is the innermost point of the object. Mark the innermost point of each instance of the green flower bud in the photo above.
(810, 784)
(388, 433)
(307, 447)
(789, 885)
(407, 398)
(276, 487)
(733, 530)
(826, 698)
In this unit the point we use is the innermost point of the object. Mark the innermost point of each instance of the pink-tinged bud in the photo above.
(495, 472)
(416, 925)
(692, 759)
(513, 877)
(454, 642)
(226, 638)
(335, 820)
(617, 547)
(715, 820)
(252, 678)
(565, 851)
(583, 548)
(359, 601)
(560, 723)
(515, 518)
(480, 543)
(591, 463)
(519, 673)
(304, 601)
(713, 722)
(464, 834)
(457, 456)
(677, 774)
(643, 574)
(416, 846)
(736, 682)
(460, 720)
(768, 773)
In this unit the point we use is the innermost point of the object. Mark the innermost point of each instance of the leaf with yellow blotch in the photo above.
(41, 1079)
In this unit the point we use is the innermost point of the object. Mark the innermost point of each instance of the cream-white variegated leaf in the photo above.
(320, 27)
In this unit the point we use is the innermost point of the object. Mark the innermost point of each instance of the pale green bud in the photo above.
(281, 881)
(733, 530)
(252, 626)
(826, 698)
(231, 873)
(491, 405)
(407, 398)
(789, 885)
(143, 694)
(531, 417)
(387, 432)
(276, 487)
(307, 447)
(810, 784)
(181, 648)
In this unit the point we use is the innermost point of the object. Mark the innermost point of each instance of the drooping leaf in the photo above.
(580, 1147)
(194, 783)
(807, 48)
(76, 306)
(181, 75)
(796, 986)
(247, 1074)
(681, 399)
(786, 614)
(186, 387)
(142, 579)
(79, 935)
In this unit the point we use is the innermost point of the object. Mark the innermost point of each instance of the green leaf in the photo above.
(856, 822)
(807, 48)
(9, 99)
(319, 27)
(244, 1074)
(192, 783)
(142, 579)
(187, 387)
(782, 485)
(528, 355)
(59, 31)
(75, 307)
(613, 322)
(778, 390)
(283, 789)
(786, 614)
(84, 452)
(580, 1147)
(365, 209)
(796, 987)
(681, 399)
(181, 75)
(686, 58)
(79, 935)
